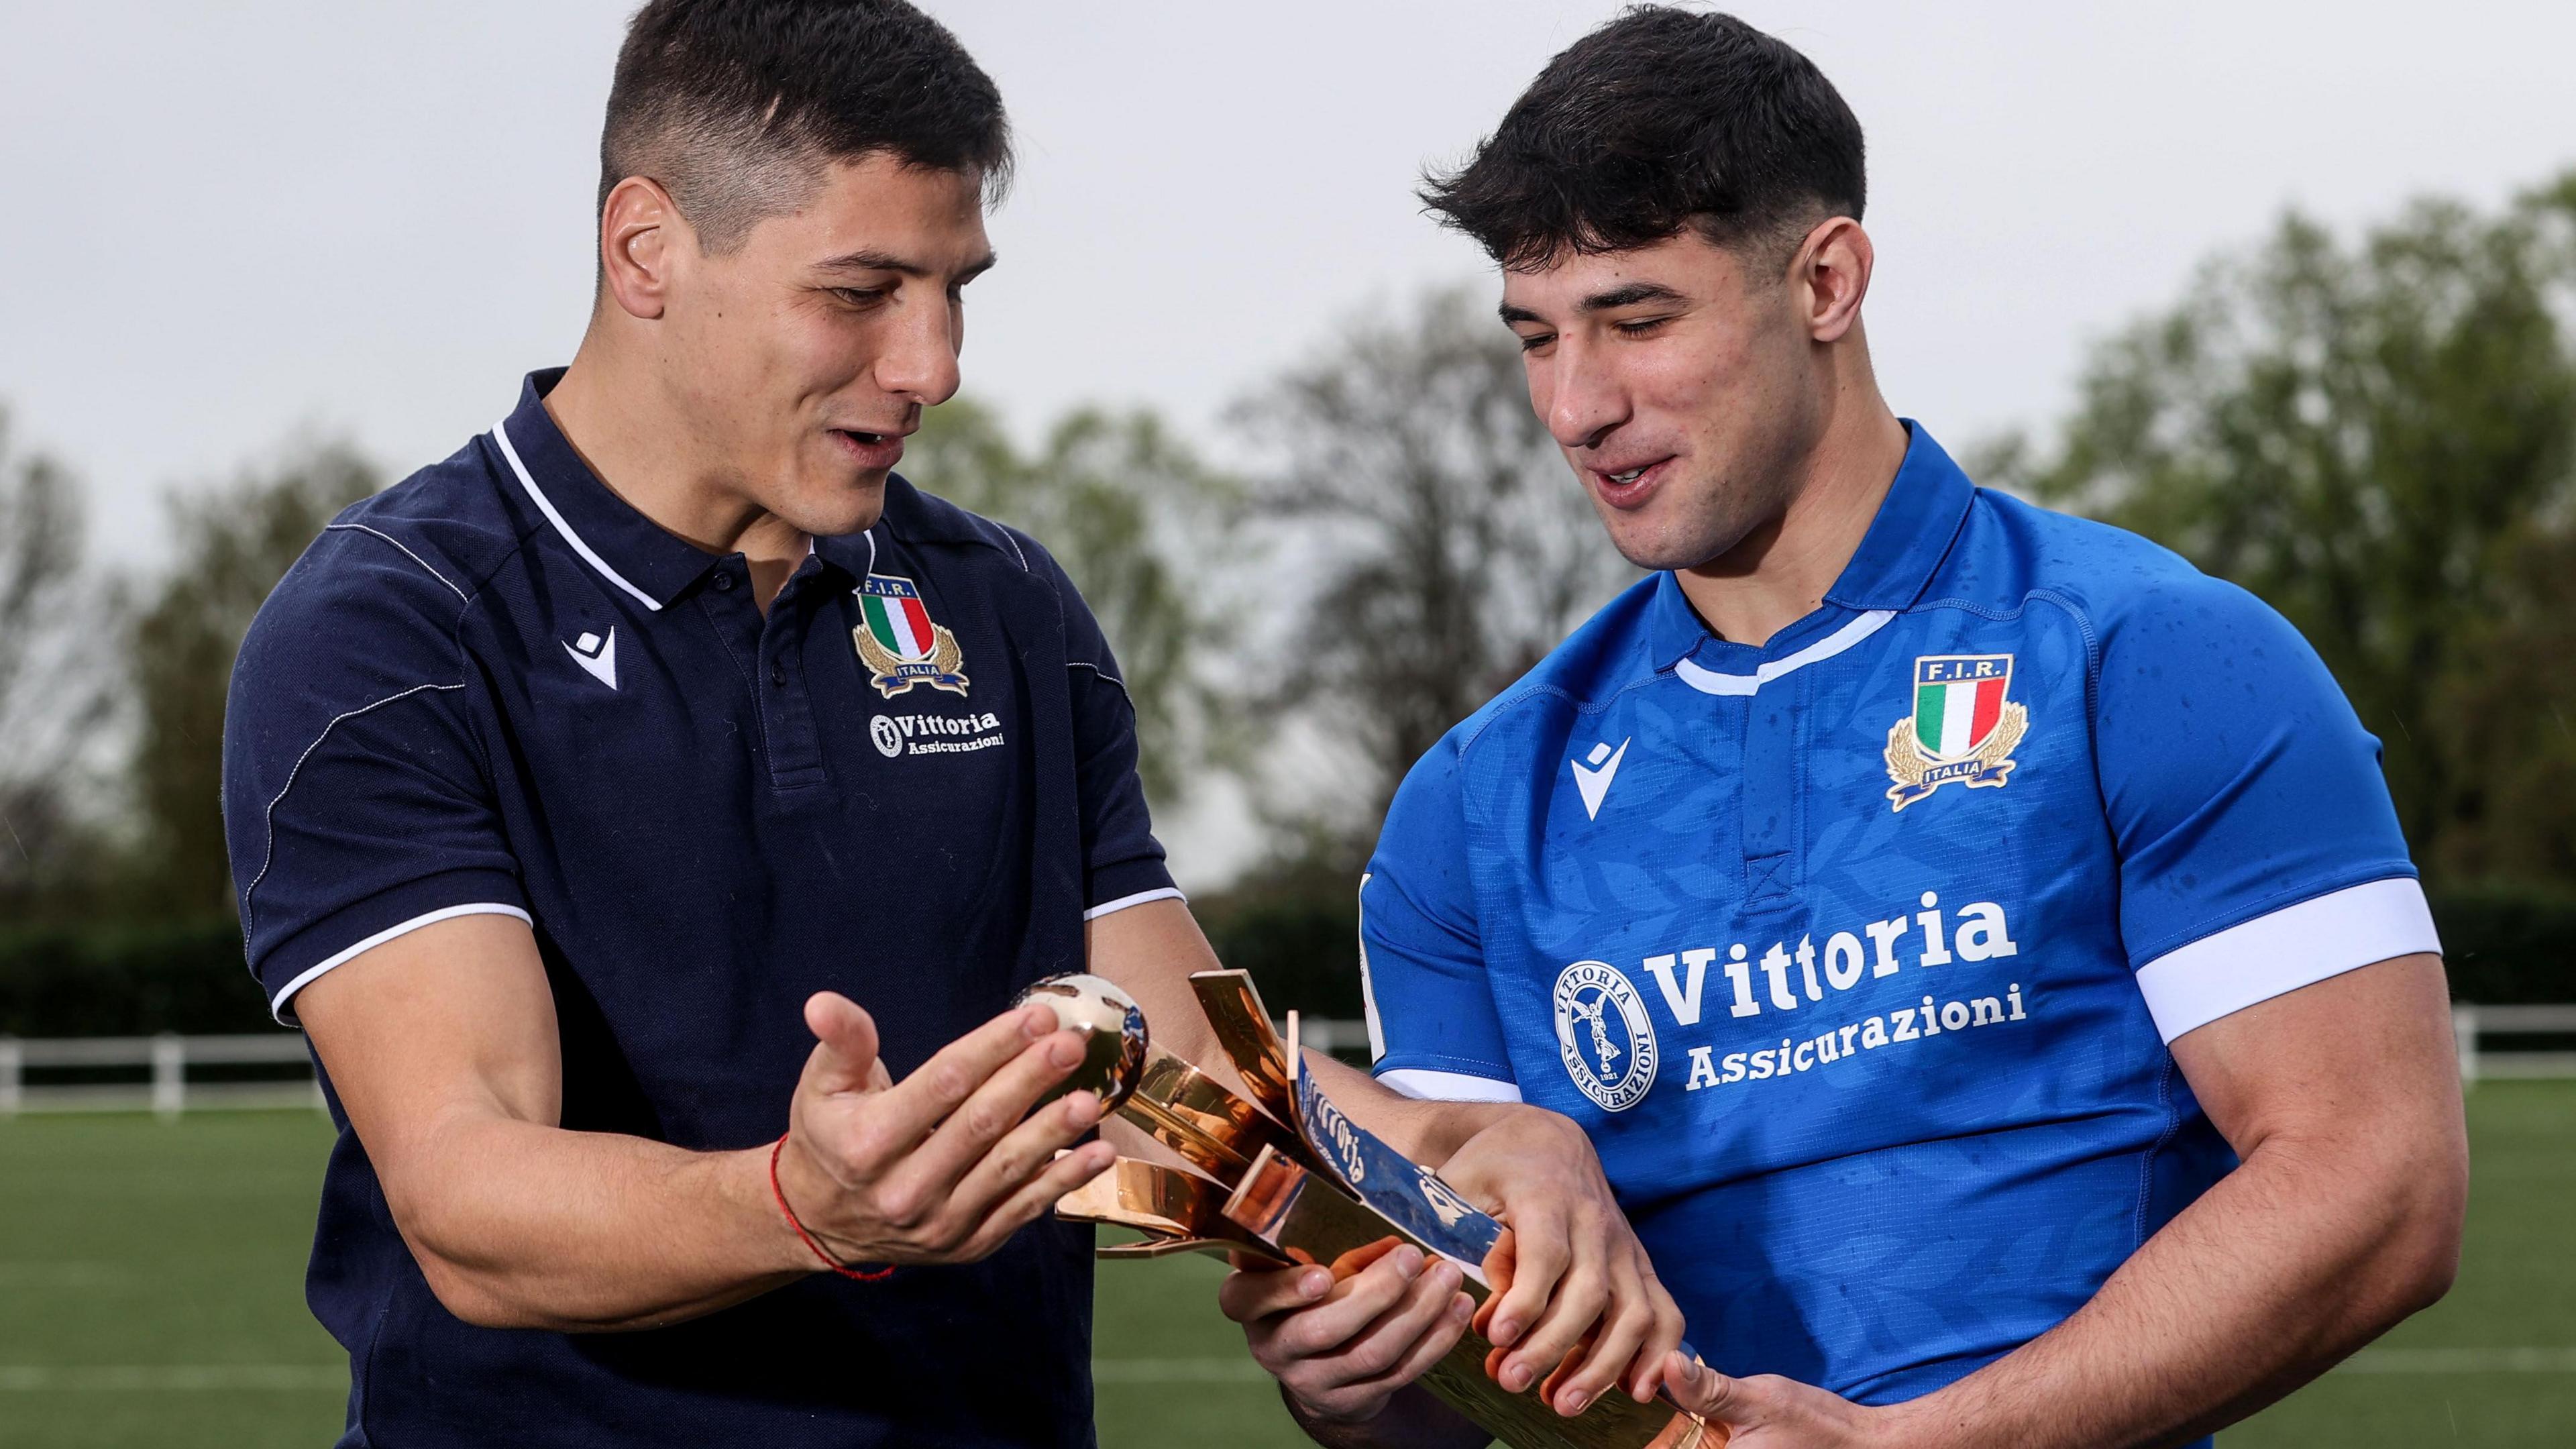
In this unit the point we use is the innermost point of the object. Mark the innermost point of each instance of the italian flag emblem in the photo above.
(1964, 727)
(899, 644)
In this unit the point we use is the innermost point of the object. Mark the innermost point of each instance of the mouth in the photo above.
(1631, 485)
(870, 449)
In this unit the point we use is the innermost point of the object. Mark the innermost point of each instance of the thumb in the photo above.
(1710, 1394)
(845, 1050)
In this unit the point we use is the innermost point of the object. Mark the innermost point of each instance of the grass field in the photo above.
(151, 1281)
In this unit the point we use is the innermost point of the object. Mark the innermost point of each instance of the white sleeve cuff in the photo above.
(310, 974)
(2217, 975)
(1105, 908)
(1425, 1086)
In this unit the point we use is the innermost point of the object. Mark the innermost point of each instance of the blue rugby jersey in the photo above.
(496, 688)
(1857, 954)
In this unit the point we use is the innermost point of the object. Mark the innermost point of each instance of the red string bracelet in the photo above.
(863, 1275)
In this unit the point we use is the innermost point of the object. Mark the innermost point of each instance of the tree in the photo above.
(2380, 440)
(1137, 520)
(55, 688)
(1447, 544)
(234, 544)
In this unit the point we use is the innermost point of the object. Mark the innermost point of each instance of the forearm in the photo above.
(1412, 1419)
(521, 1225)
(2289, 1263)
(1428, 1132)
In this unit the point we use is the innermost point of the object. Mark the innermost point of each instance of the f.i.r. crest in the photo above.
(1963, 728)
(899, 644)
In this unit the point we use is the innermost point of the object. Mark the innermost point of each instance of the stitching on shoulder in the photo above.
(1102, 673)
(398, 543)
(268, 817)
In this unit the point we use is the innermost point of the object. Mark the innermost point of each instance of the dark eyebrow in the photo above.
(1610, 301)
(869, 259)
(1628, 296)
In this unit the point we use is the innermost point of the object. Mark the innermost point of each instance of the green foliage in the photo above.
(128, 981)
(2380, 440)
(234, 545)
(1452, 546)
(1137, 521)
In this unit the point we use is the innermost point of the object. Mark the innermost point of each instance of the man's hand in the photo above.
(1770, 1412)
(1342, 1349)
(944, 1165)
(1570, 1269)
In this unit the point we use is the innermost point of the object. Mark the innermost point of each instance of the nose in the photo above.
(1583, 402)
(919, 363)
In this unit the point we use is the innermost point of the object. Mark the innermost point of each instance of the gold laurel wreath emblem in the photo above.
(945, 658)
(1909, 766)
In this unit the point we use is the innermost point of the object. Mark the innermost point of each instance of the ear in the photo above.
(642, 236)
(1832, 272)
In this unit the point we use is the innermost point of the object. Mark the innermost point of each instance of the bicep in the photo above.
(451, 1022)
(2364, 1056)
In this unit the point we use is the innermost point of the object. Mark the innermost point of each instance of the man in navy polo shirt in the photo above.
(577, 785)
(1980, 945)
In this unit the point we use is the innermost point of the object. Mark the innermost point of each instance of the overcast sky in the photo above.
(225, 226)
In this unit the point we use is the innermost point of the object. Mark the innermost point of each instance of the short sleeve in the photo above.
(356, 802)
(1122, 862)
(1432, 1027)
(2259, 850)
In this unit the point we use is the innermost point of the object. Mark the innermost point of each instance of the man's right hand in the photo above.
(944, 1165)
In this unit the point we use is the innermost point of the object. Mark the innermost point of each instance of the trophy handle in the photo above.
(1233, 1007)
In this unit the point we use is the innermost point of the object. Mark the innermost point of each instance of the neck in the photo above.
(1778, 573)
(636, 438)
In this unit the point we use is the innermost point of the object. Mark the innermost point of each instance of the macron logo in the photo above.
(597, 656)
(1594, 782)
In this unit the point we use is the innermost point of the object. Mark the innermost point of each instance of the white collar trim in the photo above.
(1709, 681)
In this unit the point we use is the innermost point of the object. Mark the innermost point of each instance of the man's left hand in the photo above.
(1770, 1412)
(1570, 1268)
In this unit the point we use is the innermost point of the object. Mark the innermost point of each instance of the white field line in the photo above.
(332, 1378)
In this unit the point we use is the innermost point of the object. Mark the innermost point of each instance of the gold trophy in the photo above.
(1286, 1178)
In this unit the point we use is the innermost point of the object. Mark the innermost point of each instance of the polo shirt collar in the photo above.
(1912, 532)
(634, 554)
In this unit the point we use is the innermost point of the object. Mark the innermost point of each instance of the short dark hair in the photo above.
(737, 106)
(1660, 120)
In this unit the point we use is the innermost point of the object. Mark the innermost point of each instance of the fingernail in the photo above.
(1690, 1372)
(1408, 1260)
(1515, 1377)
(1461, 1308)
(1572, 1402)
(1505, 1330)
(1444, 1277)
(1081, 1108)
(1036, 1022)
(1315, 1284)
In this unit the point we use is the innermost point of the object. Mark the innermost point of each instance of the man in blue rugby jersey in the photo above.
(1980, 946)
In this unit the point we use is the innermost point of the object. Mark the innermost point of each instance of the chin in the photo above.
(845, 505)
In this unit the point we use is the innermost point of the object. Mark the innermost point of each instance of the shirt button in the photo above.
(778, 674)
(723, 580)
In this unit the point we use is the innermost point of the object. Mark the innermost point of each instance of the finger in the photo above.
(1539, 1258)
(1500, 1262)
(942, 1084)
(1062, 1176)
(935, 1169)
(1374, 1356)
(1429, 1347)
(1248, 1294)
(1710, 1394)
(1661, 1341)
(1609, 1349)
(1571, 1312)
(1353, 1304)
(845, 1046)
(1023, 1153)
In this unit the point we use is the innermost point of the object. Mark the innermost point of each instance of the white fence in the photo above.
(160, 1065)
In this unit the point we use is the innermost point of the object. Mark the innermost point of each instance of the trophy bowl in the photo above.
(1112, 1027)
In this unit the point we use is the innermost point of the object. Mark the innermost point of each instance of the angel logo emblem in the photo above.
(899, 644)
(1603, 1036)
(1963, 729)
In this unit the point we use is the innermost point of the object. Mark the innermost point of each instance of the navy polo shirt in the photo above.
(496, 688)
